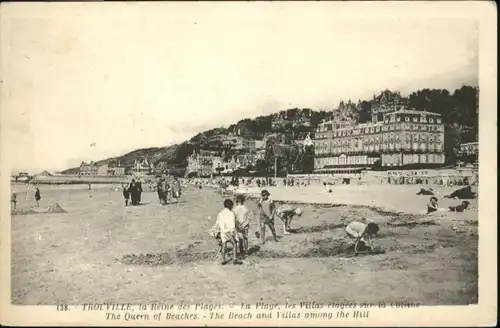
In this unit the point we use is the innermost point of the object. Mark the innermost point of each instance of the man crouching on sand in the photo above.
(226, 222)
(358, 230)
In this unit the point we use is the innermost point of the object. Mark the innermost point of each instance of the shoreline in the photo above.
(382, 199)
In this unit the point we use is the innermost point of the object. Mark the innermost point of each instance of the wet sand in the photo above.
(102, 251)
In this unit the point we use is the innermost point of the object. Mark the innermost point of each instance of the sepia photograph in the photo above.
(246, 163)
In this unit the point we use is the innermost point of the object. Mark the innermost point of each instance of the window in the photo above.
(438, 121)
(435, 128)
(431, 120)
(419, 127)
(407, 119)
(377, 129)
(398, 119)
(415, 119)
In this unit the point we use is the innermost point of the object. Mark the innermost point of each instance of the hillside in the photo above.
(459, 111)
(156, 154)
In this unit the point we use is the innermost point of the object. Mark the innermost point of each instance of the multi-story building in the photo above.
(219, 166)
(470, 148)
(402, 137)
(387, 102)
(88, 169)
(143, 167)
(102, 170)
(116, 170)
(201, 163)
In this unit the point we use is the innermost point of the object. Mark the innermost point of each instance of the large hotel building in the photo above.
(396, 136)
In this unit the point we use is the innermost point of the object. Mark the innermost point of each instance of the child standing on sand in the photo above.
(126, 193)
(243, 219)
(267, 211)
(226, 226)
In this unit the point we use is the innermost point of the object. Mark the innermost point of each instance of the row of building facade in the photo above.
(395, 137)
(139, 167)
(206, 163)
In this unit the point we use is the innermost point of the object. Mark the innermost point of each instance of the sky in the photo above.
(128, 76)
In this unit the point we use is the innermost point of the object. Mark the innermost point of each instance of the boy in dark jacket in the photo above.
(126, 194)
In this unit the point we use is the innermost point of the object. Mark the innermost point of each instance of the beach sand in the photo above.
(101, 251)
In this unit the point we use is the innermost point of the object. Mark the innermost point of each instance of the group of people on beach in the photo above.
(132, 191)
(462, 193)
(233, 224)
(167, 190)
(38, 197)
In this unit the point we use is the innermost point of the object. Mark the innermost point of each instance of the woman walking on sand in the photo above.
(133, 192)
(176, 189)
(139, 192)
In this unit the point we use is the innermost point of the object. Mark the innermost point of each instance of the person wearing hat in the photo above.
(286, 213)
(267, 211)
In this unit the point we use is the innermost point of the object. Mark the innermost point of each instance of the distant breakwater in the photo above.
(62, 180)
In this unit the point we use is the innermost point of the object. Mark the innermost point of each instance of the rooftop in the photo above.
(413, 111)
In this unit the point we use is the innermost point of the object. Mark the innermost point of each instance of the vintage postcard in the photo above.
(248, 164)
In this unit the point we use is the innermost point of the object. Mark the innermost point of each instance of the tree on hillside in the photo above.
(307, 164)
(459, 108)
(318, 117)
(451, 142)
(181, 154)
(365, 113)
(466, 108)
